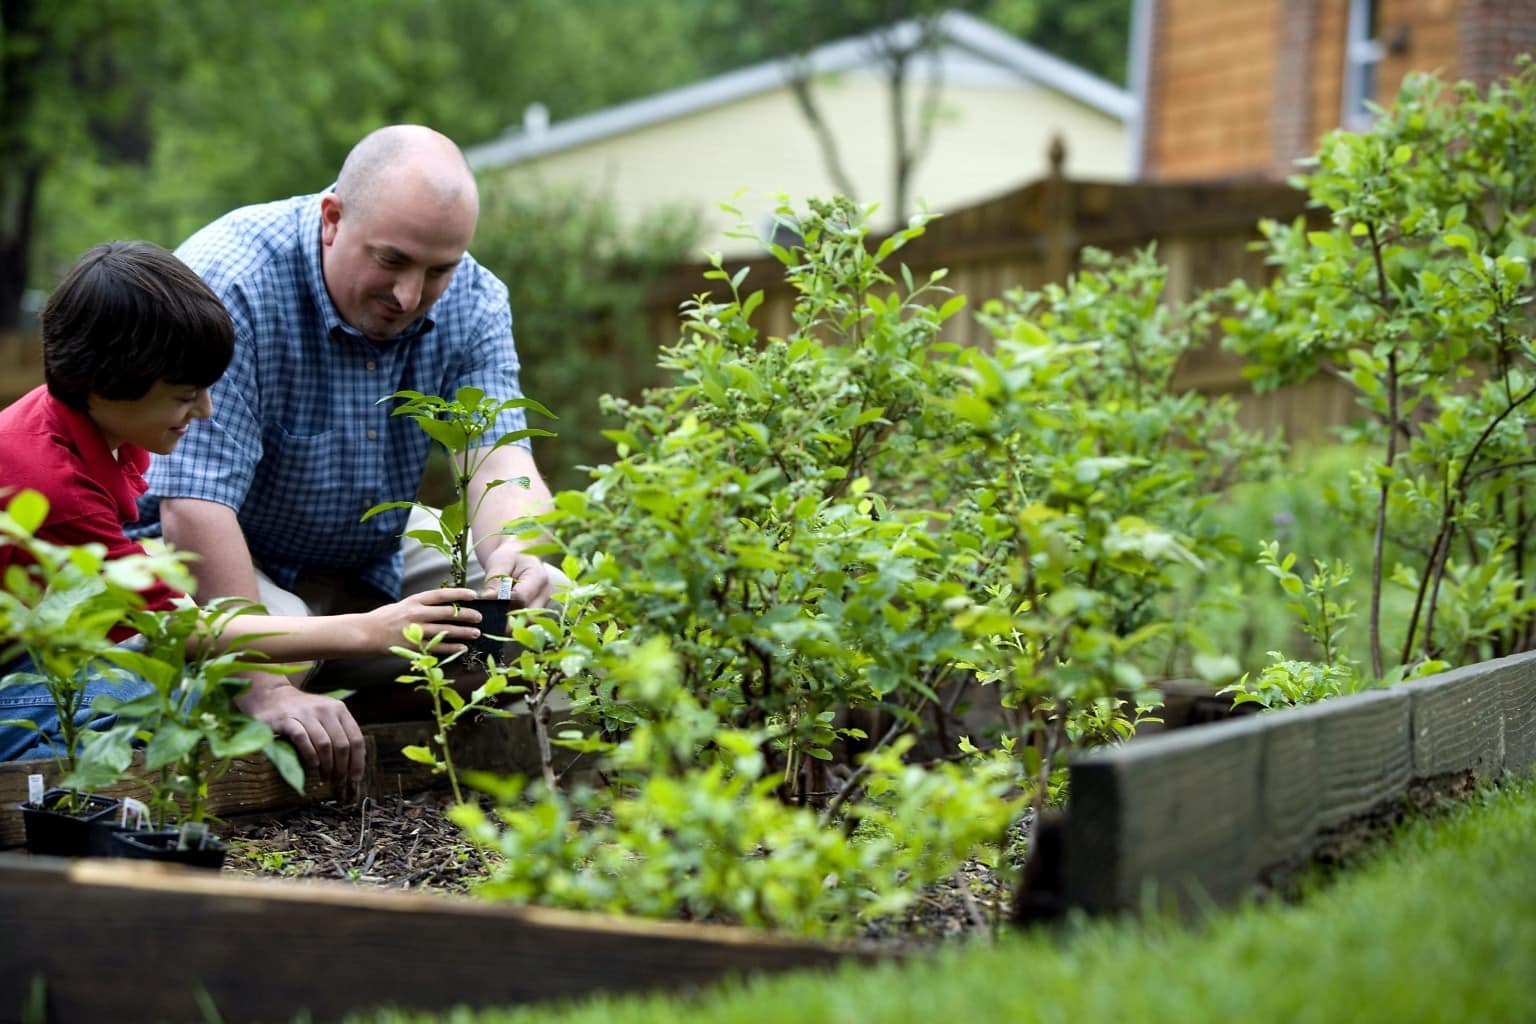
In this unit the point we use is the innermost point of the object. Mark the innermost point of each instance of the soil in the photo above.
(406, 843)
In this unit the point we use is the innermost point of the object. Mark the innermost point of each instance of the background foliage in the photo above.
(148, 118)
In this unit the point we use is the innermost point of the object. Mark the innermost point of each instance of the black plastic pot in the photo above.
(141, 845)
(58, 834)
(100, 839)
(493, 620)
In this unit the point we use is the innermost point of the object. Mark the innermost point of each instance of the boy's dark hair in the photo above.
(129, 314)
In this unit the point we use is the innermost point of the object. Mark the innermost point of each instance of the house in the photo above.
(1244, 88)
(1001, 102)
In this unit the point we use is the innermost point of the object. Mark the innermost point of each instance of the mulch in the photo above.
(406, 842)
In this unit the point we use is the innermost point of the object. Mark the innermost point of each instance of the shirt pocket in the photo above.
(306, 469)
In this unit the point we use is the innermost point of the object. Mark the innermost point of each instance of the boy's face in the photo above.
(156, 422)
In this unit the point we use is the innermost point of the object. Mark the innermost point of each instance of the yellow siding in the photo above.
(987, 140)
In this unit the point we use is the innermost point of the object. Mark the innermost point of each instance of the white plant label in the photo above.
(35, 790)
(139, 811)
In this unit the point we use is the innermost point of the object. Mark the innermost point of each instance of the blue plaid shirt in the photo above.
(298, 445)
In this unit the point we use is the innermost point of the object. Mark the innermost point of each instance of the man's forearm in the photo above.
(224, 567)
(509, 501)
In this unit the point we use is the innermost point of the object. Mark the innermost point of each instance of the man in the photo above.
(339, 300)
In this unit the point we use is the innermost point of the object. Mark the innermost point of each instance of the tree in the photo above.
(902, 33)
(67, 85)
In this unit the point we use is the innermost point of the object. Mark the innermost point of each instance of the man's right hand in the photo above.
(320, 728)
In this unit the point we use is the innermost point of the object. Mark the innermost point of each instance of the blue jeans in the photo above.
(30, 701)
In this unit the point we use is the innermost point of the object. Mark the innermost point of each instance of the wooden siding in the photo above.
(1227, 86)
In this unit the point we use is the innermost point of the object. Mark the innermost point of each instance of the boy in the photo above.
(132, 340)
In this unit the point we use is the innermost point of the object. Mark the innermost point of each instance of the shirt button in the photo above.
(373, 435)
(372, 365)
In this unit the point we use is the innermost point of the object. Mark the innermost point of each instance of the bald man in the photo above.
(339, 299)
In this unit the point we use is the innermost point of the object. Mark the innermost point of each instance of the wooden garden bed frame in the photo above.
(118, 941)
(1194, 815)
(1198, 816)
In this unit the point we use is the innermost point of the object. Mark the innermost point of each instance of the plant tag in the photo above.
(504, 589)
(138, 809)
(35, 790)
(193, 835)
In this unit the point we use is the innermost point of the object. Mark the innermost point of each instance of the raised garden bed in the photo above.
(1201, 816)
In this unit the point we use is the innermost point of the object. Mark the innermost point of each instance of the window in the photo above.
(1362, 57)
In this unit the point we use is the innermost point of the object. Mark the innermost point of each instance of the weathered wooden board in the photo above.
(1458, 720)
(1201, 813)
(488, 744)
(1363, 752)
(1290, 791)
(128, 942)
(1518, 689)
(1177, 811)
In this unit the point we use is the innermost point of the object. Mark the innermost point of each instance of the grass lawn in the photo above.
(1438, 926)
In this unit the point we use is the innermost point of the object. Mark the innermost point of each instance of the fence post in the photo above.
(1057, 216)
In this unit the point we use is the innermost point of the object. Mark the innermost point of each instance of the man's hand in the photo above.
(532, 585)
(320, 728)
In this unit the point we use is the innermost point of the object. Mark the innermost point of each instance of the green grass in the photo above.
(1440, 925)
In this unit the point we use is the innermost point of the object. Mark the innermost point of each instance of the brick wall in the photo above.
(1213, 69)
(1492, 34)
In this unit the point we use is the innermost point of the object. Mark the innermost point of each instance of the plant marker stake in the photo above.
(504, 590)
(194, 834)
(35, 789)
(139, 811)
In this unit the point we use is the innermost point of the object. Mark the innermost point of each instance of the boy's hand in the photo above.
(321, 729)
(436, 611)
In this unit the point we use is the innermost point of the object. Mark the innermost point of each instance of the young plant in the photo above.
(468, 426)
(61, 606)
(448, 704)
(188, 722)
(693, 828)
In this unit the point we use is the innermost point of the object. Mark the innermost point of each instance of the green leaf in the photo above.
(27, 510)
(420, 755)
(286, 761)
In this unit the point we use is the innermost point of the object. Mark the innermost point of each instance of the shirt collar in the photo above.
(123, 476)
(314, 273)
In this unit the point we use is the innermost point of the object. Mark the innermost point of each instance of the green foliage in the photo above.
(1080, 487)
(859, 514)
(693, 829)
(1417, 294)
(188, 722)
(427, 675)
(60, 605)
(740, 519)
(579, 283)
(465, 427)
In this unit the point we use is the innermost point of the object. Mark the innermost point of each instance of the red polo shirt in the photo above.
(59, 452)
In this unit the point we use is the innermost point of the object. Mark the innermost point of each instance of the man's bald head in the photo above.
(405, 158)
(398, 224)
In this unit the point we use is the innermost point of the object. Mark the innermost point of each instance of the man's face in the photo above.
(386, 266)
(156, 422)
